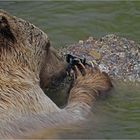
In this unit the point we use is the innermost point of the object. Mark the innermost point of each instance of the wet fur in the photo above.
(27, 65)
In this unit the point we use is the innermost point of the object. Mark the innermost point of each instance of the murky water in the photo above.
(117, 116)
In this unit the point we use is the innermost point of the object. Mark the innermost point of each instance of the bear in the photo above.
(28, 63)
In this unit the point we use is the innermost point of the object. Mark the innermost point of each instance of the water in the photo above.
(67, 22)
(116, 116)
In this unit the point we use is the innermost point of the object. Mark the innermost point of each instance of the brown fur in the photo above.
(27, 65)
(87, 88)
(26, 62)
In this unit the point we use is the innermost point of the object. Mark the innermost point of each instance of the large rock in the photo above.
(117, 56)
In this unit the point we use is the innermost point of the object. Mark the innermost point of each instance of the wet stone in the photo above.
(117, 56)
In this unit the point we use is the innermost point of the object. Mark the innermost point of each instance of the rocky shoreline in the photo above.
(117, 56)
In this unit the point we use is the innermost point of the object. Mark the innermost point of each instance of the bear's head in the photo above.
(24, 47)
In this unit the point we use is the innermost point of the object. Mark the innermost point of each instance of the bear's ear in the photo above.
(48, 45)
(5, 30)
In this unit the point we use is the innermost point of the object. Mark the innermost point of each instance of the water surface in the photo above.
(68, 22)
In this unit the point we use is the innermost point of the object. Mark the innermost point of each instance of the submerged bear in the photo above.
(28, 64)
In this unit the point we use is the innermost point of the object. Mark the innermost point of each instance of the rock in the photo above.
(117, 56)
